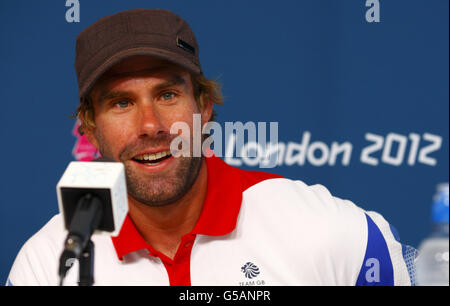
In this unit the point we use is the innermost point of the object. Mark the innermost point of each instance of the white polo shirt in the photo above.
(255, 229)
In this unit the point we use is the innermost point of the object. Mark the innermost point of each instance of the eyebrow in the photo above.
(109, 95)
(174, 80)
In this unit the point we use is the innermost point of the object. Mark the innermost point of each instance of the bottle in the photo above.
(433, 260)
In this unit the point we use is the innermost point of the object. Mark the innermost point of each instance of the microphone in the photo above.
(92, 198)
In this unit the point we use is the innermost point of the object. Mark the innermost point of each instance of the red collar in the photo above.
(220, 209)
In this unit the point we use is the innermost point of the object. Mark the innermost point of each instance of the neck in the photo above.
(163, 227)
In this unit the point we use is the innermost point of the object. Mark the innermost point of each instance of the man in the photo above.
(196, 220)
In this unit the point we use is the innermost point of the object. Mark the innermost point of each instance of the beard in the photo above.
(154, 189)
(159, 190)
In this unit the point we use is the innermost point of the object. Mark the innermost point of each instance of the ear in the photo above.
(207, 111)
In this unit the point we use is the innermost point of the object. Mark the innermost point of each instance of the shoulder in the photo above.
(51, 235)
(48, 239)
(298, 208)
(333, 229)
(294, 196)
(37, 262)
(39, 255)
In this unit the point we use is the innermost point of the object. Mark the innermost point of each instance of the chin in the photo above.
(157, 196)
(163, 188)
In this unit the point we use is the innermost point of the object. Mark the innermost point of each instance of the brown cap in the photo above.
(157, 33)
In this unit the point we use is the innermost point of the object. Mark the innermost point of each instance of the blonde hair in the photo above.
(203, 88)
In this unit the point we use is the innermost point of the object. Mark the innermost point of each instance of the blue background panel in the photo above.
(314, 66)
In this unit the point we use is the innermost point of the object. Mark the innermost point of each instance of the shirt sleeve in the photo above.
(386, 262)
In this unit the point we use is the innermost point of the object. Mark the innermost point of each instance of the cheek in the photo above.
(184, 113)
(111, 135)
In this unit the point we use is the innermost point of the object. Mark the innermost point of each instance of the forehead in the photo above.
(140, 66)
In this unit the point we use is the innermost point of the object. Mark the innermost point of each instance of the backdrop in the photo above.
(360, 95)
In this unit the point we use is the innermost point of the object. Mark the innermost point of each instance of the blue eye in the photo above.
(168, 96)
(123, 104)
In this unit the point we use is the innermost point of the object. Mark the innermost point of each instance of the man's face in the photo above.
(135, 104)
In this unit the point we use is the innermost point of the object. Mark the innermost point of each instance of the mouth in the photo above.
(152, 159)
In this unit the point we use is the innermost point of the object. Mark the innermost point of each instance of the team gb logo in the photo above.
(250, 270)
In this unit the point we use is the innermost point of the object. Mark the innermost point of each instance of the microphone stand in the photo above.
(86, 265)
(86, 219)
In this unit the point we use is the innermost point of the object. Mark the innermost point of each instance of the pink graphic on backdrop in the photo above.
(83, 149)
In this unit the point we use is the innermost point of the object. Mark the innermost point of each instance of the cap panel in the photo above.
(158, 33)
(117, 57)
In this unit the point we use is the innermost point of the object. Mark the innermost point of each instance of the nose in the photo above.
(149, 121)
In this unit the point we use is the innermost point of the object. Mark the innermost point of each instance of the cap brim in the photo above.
(141, 51)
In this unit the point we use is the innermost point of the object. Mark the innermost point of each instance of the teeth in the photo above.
(151, 157)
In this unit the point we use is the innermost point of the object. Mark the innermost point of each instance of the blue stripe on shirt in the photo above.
(377, 269)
